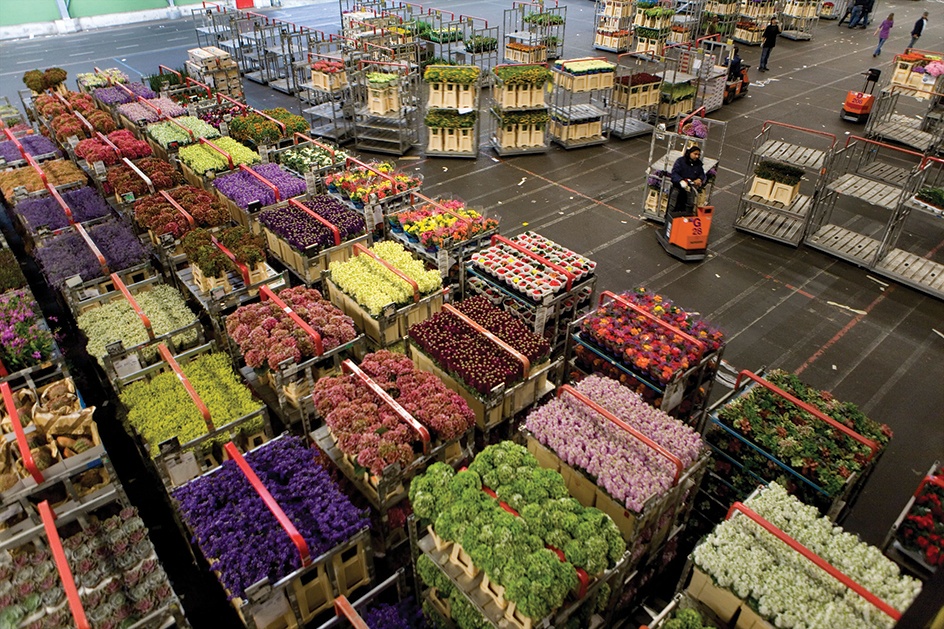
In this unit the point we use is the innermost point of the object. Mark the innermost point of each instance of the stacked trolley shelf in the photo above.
(453, 100)
(613, 25)
(519, 114)
(798, 17)
(900, 544)
(326, 97)
(784, 219)
(387, 114)
(861, 214)
(579, 114)
(534, 32)
(634, 107)
(668, 146)
(741, 463)
(753, 19)
(908, 122)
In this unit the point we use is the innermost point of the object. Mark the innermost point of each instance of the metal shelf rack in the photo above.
(753, 17)
(613, 20)
(634, 109)
(579, 111)
(797, 19)
(386, 120)
(524, 24)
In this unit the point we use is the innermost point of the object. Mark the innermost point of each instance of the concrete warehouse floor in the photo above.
(874, 343)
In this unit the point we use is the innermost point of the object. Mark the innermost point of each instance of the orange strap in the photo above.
(107, 142)
(134, 304)
(642, 311)
(809, 409)
(62, 565)
(525, 363)
(262, 180)
(320, 219)
(169, 359)
(178, 207)
(20, 435)
(359, 248)
(343, 607)
(270, 502)
(613, 418)
(220, 151)
(221, 97)
(229, 254)
(570, 276)
(266, 293)
(347, 365)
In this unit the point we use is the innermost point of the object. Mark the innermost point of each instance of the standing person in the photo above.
(866, 8)
(883, 31)
(688, 177)
(770, 40)
(849, 9)
(918, 29)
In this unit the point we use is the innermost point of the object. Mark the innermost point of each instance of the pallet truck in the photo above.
(685, 234)
(858, 105)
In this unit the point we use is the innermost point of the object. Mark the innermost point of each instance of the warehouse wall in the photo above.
(14, 12)
(88, 8)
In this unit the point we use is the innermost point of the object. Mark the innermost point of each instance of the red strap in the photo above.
(85, 122)
(645, 313)
(525, 363)
(929, 480)
(178, 207)
(320, 219)
(169, 359)
(359, 248)
(698, 112)
(160, 70)
(206, 87)
(570, 276)
(134, 304)
(229, 254)
(62, 565)
(88, 240)
(270, 502)
(266, 293)
(65, 208)
(3, 370)
(297, 135)
(147, 180)
(32, 162)
(347, 365)
(20, 435)
(220, 151)
(809, 409)
(262, 180)
(221, 97)
(343, 607)
(613, 418)
(127, 91)
(816, 559)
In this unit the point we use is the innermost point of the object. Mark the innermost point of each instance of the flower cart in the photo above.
(452, 110)
(248, 191)
(569, 436)
(637, 87)
(534, 25)
(71, 550)
(443, 233)
(519, 113)
(914, 541)
(88, 82)
(370, 611)
(204, 161)
(753, 17)
(286, 352)
(739, 589)
(488, 356)
(481, 46)
(27, 347)
(307, 236)
(139, 113)
(798, 18)
(181, 409)
(666, 147)
(373, 188)
(818, 456)
(327, 101)
(528, 583)
(614, 20)
(385, 291)
(165, 138)
(537, 280)
(96, 154)
(318, 543)
(40, 218)
(39, 147)
(386, 111)
(579, 114)
(373, 444)
(777, 210)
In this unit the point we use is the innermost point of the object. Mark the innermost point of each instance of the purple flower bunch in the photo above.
(302, 231)
(25, 340)
(85, 203)
(231, 523)
(242, 188)
(138, 111)
(404, 615)
(696, 128)
(67, 254)
(627, 469)
(118, 96)
(32, 144)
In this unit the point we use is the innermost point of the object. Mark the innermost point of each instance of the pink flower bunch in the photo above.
(368, 430)
(267, 336)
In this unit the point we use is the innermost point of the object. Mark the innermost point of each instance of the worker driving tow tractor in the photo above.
(685, 235)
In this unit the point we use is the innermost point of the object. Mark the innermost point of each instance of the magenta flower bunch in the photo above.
(366, 429)
(643, 345)
(267, 336)
(627, 469)
(476, 361)
(24, 338)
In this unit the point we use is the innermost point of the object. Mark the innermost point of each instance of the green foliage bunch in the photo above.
(932, 196)
(685, 619)
(779, 172)
(11, 276)
(533, 75)
(449, 119)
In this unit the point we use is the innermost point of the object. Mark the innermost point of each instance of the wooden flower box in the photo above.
(611, 41)
(452, 96)
(494, 592)
(519, 96)
(637, 96)
(537, 55)
(313, 592)
(329, 81)
(576, 83)
(617, 8)
(722, 602)
(461, 559)
(383, 100)
(751, 36)
(756, 10)
(799, 9)
(208, 284)
(718, 8)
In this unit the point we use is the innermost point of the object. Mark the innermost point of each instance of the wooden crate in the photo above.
(351, 569)
(519, 96)
(722, 602)
(673, 110)
(617, 8)
(585, 82)
(650, 45)
(209, 284)
(313, 592)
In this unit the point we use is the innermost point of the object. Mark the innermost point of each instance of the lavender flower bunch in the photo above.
(85, 203)
(403, 615)
(67, 254)
(32, 144)
(137, 111)
(118, 96)
(630, 471)
(232, 524)
(242, 188)
(301, 230)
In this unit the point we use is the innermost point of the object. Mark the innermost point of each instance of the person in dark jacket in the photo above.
(688, 177)
(918, 29)
(770, 40)
(862, 14)
(850, 10)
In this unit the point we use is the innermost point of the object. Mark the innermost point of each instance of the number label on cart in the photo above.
(696, 227)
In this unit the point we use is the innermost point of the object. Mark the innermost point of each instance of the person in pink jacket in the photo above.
(883, 31)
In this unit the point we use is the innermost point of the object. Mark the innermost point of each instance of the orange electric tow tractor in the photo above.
(686, 237)
(858, 105)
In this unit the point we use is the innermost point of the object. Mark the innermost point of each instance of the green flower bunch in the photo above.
(478, 44)
(677, 92)
(538, 118)
(202, 158)
(161, 408)
(449, 119)
(779, 172)
(381, 79)
(544, 19)
(932, 196)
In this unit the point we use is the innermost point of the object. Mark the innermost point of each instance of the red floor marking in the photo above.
(841, 333)
(802, 292)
